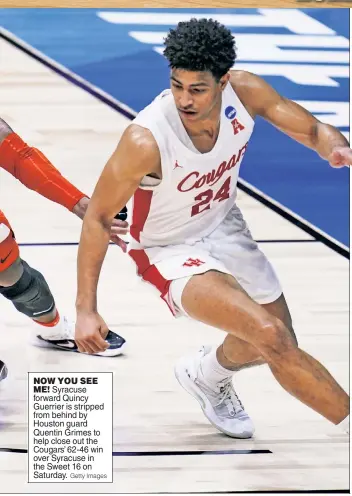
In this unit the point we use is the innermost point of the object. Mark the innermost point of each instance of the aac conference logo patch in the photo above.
(230, 112)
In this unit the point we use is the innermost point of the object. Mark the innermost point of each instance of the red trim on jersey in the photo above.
(141, 206)
(151, 274)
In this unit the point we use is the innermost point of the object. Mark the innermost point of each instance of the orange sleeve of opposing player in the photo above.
(35, 171)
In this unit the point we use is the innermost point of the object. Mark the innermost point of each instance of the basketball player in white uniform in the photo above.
(180, 160)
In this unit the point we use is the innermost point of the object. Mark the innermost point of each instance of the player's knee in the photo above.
(276, 339)
(31, 294)
(288, 323)
(12, 273)
(293, 334)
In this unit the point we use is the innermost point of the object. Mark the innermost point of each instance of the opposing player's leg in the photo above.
(30, 294)
(218, 300)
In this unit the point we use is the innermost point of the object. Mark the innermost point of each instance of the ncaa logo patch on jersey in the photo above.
(230, 112)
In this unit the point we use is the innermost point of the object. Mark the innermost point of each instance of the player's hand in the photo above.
(340, 157)
(90, 333)
(81, 207)
(118, 241)
(119, 226)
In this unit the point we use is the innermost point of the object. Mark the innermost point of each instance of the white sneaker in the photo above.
(61, 336)
(222, 406)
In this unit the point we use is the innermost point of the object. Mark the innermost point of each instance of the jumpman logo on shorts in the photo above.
(193, 262)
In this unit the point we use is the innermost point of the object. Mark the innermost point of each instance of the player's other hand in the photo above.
(119, 225)
(90, 333)
(340, 157)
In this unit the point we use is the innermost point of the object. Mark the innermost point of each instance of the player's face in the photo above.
(196, 94)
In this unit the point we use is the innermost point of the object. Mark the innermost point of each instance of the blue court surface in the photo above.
(303, 53)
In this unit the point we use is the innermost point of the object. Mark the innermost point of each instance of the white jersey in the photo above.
(197, 189)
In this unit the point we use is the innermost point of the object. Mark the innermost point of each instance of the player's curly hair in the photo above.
(201, 45)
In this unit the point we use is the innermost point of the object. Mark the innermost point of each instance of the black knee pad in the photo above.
(31, 294)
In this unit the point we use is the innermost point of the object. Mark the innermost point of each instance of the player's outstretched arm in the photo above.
(135, 156)
(292, 119)
(35, 171)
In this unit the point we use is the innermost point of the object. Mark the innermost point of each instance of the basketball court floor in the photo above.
(151, 412)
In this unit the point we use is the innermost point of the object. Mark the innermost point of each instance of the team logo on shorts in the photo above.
(230, 112)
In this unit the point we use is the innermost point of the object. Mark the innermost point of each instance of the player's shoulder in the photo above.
(139, 138)
(244, 85)
(137, 151)
(243, 81)
(252, 90)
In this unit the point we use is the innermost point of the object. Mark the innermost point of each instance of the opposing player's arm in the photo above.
(32, 168)
(135, 156)
(291, 118)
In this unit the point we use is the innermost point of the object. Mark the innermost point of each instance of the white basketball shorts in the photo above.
(230, 249)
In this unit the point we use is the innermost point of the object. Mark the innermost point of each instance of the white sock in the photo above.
(53, 323)
(345, 424)
(53, 330)
(212, 371)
